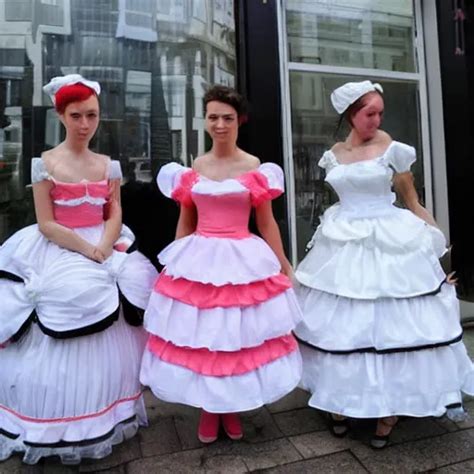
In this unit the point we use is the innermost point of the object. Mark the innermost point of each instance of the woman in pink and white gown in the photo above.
(69, 360)
(223, 309)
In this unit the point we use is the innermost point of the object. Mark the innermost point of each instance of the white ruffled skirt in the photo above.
(381, 332)
(216, 353)
(69, 384)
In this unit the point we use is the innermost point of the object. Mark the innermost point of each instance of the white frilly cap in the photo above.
(347, 94)
(52, 87)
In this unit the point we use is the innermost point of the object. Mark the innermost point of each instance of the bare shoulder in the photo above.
(100, 157)
(251, 161)
(200, 162)
(50, 157)
(338, 146)
(383, 137)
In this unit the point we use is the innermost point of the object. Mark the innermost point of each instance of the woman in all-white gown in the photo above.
(381, 333)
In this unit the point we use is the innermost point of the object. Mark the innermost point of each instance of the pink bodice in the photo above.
(79, 204)
(224, 215)
(223, 207)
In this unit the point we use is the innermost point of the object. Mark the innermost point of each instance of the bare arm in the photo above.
(113, 220)
(187, 221)
(57, 233)
(270, 232)
(405, 188)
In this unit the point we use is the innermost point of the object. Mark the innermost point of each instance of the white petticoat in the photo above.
(70, 390)
(226, 394)
(366, 385)
(221, 329)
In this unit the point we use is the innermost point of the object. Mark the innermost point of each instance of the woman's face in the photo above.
(81, 119)
(222, 122)
(367, 120)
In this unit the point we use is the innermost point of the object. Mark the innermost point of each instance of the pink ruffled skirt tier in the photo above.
(220, 320)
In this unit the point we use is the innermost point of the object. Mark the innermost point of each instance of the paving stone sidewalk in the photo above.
(285, 437)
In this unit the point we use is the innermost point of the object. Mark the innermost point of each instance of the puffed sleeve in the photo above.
(327, 161)
(265, 183)
(115, 170)
(176, 181)
(401, 156)
(38, 170)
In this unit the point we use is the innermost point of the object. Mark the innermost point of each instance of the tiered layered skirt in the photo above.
(220, 319)
(69, 361)
(381, 333)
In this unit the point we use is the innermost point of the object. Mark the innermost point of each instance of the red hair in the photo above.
(72, 93)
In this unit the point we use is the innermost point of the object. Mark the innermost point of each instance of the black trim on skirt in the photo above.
(132, 314)
(100, 326)
(373, 350)
(11, 276)
(7, 434)
(418, 295)
(84, 442)
(132, 247)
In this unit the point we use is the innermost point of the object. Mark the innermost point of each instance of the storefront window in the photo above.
(154, 61)
(352, 33)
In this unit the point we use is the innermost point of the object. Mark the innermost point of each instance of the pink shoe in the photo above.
(232, 425)
(208, 427)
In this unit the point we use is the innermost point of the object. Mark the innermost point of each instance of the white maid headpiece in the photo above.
(59, 81)
(347, 94)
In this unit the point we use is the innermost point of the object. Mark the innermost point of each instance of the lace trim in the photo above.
(82, 200)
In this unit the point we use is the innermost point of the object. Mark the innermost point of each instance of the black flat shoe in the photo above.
(338, 427)
(381, 441)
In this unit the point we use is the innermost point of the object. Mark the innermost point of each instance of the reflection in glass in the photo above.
(314, 124)
(154, 60)
(376, 34)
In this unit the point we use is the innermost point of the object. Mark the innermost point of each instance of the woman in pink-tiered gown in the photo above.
(222, 310)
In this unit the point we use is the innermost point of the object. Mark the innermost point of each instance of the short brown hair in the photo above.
(229, 96)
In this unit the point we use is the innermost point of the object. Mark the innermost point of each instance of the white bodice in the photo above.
(365, 187)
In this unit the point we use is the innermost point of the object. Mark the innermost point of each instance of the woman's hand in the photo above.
(104, 250)
(451, 279)
(93, 253)
(99, 253)
(287, 270)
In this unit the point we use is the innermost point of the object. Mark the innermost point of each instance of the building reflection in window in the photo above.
(154, 61)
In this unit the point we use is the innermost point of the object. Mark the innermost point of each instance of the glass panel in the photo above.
(18, 11)
(154, 61)
(314, 123)
(377, 34)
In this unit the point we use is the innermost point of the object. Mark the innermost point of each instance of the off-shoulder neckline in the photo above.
(375, 158)
(82, 181)
(236, 178)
